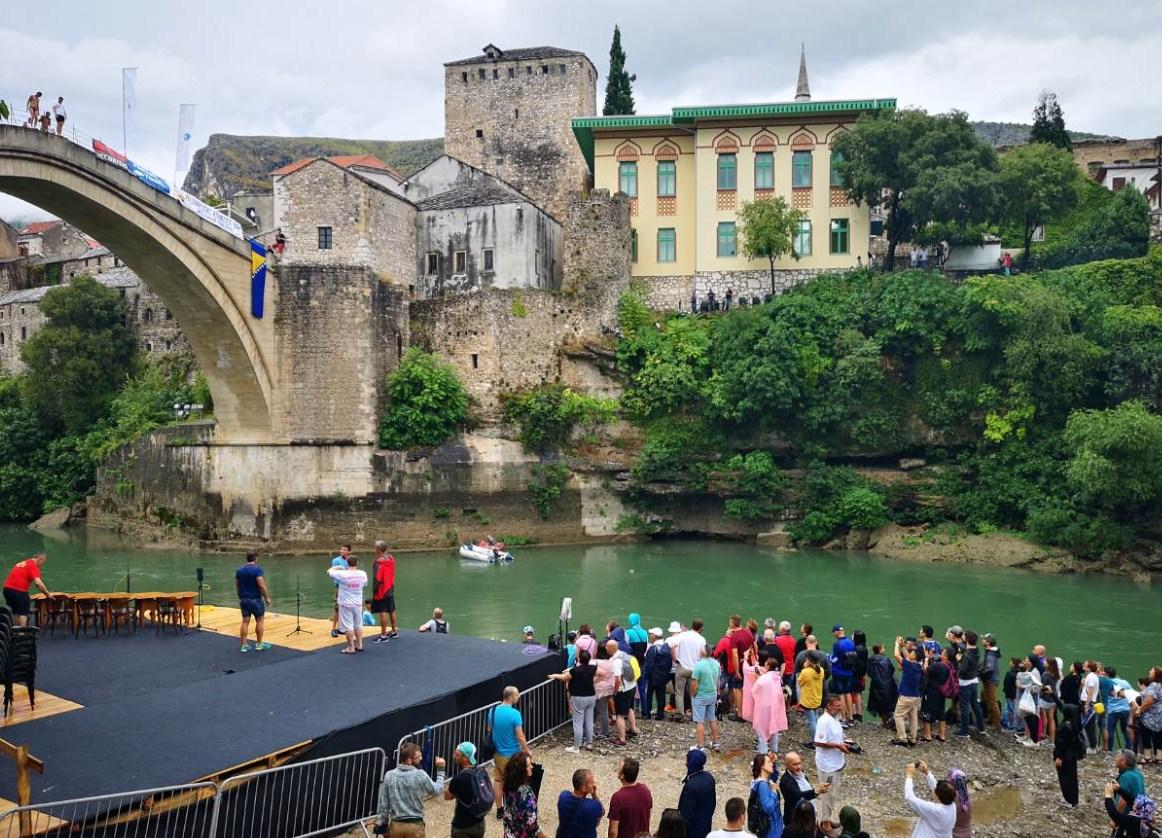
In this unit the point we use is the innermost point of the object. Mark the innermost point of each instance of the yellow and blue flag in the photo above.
(257, 278)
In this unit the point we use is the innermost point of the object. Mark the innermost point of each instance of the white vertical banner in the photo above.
(185, 132)
(128, 109)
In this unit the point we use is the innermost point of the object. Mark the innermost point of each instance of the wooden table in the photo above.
(145, 603)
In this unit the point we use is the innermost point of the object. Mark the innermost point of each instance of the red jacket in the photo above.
(786, 645)
(384, 575)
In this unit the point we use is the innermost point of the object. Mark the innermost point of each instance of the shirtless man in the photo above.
(33, 110)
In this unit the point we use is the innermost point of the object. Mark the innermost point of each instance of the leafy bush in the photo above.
(547, 415)
(1117, 460)
(546, 485)
(862, 508)
(757, 482)
(427, 403)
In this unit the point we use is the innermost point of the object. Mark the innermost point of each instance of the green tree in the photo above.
(1038, 183)
(768, 229)
(80, 357)
(4, 110)
(426, 402)
(1117, 460)
(921, 169)
(619, 85)
(1049, 123)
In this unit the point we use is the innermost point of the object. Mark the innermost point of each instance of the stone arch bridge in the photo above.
(199, 270)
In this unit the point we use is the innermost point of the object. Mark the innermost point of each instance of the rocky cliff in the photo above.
(1000, 134)
(229, 164)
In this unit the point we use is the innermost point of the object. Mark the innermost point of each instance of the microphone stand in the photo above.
(298, 629)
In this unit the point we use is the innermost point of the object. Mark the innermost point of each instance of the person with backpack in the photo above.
(843, 660)
(472, 790)
(625, 678)
(656, 674)
(940, 683)
(764, 809)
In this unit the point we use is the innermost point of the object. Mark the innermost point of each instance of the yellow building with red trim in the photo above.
(689, 172)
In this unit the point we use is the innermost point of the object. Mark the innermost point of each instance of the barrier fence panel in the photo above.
(179, 811)
(303, 799)
(543, 708)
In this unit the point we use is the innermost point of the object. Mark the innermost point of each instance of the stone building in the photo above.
(687, 174)
(474, 231)
(156, 331)
(507, 112)
(52, 239)
(450, 228)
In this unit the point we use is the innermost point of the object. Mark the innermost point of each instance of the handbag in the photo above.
(487, 749)
(1027, 704)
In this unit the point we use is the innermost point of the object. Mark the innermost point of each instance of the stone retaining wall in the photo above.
(672, 293)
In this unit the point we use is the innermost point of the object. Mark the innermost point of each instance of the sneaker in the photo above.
(620, 743)
(903, 743)
(715, 746)
(383, 638)
(632, 734)
(500, 814)
(393, 634)
(261, 647)
(245, 649)
(1029, 743)
(960, 735)
(334, 632)
(572, 750)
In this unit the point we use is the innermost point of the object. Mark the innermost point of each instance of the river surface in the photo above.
(1076, 617)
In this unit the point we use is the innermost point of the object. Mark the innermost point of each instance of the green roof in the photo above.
(583, 127)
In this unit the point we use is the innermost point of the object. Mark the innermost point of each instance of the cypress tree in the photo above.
(1049, 123)
(619, 87)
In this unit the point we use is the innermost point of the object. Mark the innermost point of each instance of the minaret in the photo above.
(803, 90)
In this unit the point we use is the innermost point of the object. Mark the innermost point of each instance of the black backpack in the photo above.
(481, 798)
(758, 822)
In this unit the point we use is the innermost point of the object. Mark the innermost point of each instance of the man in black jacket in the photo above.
(794, 785)
(698, 799)
(968, 675)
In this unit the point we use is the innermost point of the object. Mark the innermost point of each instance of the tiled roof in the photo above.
(480, 194)
(346, 161)
(36, 228)
(112, 278)
(521, 54)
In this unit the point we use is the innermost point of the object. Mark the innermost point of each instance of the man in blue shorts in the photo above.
(842, 672)
(252, 600)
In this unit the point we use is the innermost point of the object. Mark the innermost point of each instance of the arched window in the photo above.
(148, 315)
(1, 338)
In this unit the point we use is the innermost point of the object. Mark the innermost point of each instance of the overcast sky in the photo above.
(373, 69)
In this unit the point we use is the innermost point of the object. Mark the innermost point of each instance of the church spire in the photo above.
(803, 90)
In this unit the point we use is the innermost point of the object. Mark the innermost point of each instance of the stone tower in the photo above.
(509, 113)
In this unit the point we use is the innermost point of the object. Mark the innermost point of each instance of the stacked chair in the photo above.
(17, 658)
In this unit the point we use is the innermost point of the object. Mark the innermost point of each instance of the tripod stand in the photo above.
(298, 629)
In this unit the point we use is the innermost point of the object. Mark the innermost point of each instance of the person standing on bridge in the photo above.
(58, 111)
(351, 583)
(22, 576)
(33, 110)
(253, 599)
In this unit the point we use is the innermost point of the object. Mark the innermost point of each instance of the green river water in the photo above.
(1075, 617)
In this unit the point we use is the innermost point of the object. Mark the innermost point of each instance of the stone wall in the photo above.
(672, 293)
(340, 331)
(503, 341)
(370, 225)
(515, 123)
(1091, 155)
(665, 293)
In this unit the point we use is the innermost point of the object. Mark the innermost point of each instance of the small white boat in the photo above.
(492, 555)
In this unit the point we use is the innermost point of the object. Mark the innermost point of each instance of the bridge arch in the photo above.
(201, 272)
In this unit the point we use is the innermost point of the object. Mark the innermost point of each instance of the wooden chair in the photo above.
(55, 610)
(168, 611)
(122, 611)
(89, 611)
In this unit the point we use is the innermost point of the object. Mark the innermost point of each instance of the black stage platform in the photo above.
(168, 710)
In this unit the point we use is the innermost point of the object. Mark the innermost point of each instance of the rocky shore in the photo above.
(1013, 788)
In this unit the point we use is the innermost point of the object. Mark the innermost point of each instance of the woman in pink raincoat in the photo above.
(751, 669)
(770, 708)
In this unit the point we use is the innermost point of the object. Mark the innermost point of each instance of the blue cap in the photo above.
(468, 750)
(836, 628)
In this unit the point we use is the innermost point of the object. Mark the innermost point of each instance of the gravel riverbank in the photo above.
(1014, 788)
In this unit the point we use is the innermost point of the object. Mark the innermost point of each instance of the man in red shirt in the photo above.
(630, 806)
(383, 595)
(23, 575)
(741, 639)
(786, 644)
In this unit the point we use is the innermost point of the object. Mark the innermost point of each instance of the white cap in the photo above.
(656, 631)
(675, 626)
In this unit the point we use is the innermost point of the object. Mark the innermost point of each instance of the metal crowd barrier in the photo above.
(180, 811)
(309, 798)
(543, 708)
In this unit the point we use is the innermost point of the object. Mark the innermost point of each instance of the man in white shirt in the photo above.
(1090, 695)
(830, 758)
(58, 110)
(735, 821)
(936, 818)
(351, 581)
(687, 650)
